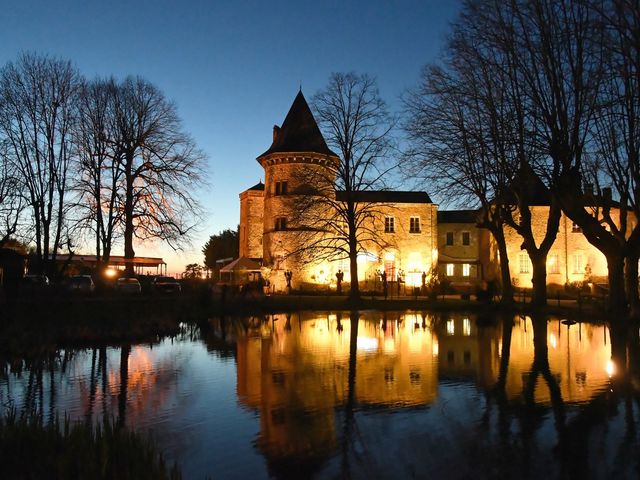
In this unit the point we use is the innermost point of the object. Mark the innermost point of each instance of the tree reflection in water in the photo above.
(382, 394)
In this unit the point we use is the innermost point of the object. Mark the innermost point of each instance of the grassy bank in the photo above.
(30, 449)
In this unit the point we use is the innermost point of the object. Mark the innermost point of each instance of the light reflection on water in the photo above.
(393, 395)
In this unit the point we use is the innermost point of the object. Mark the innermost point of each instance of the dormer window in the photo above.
(281, 188)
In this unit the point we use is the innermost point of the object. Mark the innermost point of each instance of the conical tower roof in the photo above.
(299, 132)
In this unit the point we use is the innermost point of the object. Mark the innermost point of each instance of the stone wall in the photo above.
(571, 258)
(251, 223)
(452, 259)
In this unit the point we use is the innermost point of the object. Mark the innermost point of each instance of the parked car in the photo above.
(128, 285)
(34, 283)
(166, 285)
(81, 284)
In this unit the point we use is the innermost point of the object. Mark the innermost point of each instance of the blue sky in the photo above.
(233, 68)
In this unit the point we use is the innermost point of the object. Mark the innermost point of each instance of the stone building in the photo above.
(270, 227)
(571, 259)
(463, 248)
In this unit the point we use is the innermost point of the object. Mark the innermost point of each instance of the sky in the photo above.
(233, 68)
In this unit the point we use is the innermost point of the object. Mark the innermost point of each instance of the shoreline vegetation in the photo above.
(110, 319)
(32, 448)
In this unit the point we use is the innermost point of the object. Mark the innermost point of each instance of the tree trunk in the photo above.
(354, 290)
(129, 253)
(505, 272)
(539, 279)
(631, 284)
(617, 302)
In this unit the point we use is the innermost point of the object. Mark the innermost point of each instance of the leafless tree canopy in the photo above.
(37, 116)
(101, 156)
(545, 85)
(334, 217)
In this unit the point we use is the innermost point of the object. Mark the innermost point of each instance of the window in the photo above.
(451, 327)
(524, 262)
(389, 225)
(449, 238)
(465, 238)
(390, 269)
(466, 269)
(281, 188)
(414, 225)
(281, 223)
(577, 263)
(575, 228)
(466, 327)
(553, 263)
(449, 269)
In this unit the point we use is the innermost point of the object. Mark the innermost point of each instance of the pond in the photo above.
(364, 395)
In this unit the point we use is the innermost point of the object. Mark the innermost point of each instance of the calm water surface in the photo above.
(368, 395)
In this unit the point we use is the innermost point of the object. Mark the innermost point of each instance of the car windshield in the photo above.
(166, 280)
(128, 280)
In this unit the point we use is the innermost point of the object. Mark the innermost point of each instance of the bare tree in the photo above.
(337, 217)
(457, 143)
(37, 114)
(161, 168)
(616, 131)
(561, 47)
(11, 199)
(100, 178)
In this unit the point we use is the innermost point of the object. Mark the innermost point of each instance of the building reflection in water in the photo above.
(293, 369)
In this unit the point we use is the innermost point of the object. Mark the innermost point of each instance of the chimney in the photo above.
(276, 131)
(606, 194)
(588, 188)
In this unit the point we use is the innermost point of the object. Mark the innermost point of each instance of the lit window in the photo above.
(524, 263)
(449, 238)
(577, 263)
(553, 263)
(466, 327)
(466, 269)
(449, 269)
(389, 225)
(451, 328)
(390, 269)
(414, 225)
(281, 223)
(465, 238)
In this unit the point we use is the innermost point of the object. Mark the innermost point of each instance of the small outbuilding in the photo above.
(241, 271)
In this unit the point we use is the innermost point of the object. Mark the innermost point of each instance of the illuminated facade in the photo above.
(268, 228)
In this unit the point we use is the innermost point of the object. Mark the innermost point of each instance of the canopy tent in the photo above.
(241, 271)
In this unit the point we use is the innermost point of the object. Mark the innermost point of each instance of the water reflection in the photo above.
(340, 393)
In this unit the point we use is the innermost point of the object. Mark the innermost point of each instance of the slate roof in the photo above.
(257, 186)
(388, 196)
(299, 132)
(457, 216)
(530, 186)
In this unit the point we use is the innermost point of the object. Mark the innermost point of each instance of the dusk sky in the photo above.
(232, 68)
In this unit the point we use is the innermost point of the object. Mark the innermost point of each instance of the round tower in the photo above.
(297, 157)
